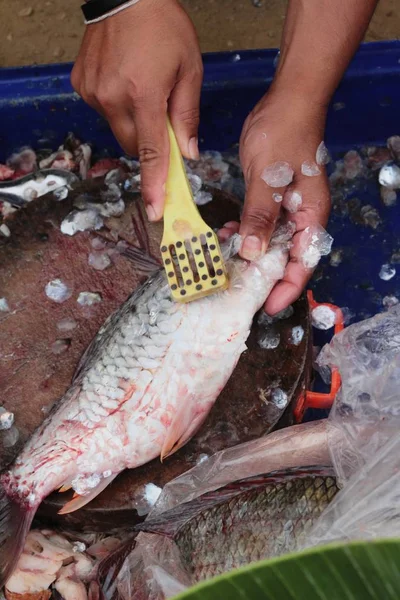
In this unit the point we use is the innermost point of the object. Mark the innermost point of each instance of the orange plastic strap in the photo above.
(310, 399)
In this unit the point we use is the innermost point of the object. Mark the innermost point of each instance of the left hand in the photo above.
(279, 129)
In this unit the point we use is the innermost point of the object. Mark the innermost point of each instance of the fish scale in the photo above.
(255, 524)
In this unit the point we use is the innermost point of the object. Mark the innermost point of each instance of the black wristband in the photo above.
(94, 9)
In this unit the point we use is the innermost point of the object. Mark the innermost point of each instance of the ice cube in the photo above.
(195, 183)
(6, 419)
(314, 243)
(88, 298)
(24, 161)
(393, 144)
(336, 258)
(388, 196)
(202, 198)
(279, 397)
(389, 176)
(236, 57)
(81, 221)
(322, 154)
(277, 197)
(78, 547)
(67, 324)
(292, 201)
(99, 260)
(387, 272)
(323, 317)
(389, 301)
(10, 437)
(310, 168)
(57, 291)
(4, 305)
(60, 346)
(353, 164)
(269, 340)
(370, 216)
(297, 335)
(5, 230)
(278, 174)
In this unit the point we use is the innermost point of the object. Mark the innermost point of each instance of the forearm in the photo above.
(319, 39)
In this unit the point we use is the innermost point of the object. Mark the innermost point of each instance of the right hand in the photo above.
(131, 68)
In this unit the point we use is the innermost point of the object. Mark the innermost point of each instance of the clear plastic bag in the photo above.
(360, 438)
(367, 408)
(153, 570)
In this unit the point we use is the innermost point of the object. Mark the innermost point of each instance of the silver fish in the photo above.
(143, 388)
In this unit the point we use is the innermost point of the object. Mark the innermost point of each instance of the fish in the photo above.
(32, 374)
(282, 451)
(142, 389)
(246, 521)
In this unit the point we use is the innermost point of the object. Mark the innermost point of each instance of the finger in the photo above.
(124, 130)
(259, 217)
(150, 118)
(289, 288)
(228, 230)
(314, 211)
(184, 108)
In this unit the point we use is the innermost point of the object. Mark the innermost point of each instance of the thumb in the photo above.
(259, 217)
(184, 107)
(150, 119)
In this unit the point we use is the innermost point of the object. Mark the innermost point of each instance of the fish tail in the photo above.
(16, 516)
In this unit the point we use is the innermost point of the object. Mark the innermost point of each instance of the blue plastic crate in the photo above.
(38, 108)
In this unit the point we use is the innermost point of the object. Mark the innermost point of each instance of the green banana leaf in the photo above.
(353, 571)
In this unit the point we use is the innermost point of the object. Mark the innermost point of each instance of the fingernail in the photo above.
(193, 148)
(151, 213)
(251, 248)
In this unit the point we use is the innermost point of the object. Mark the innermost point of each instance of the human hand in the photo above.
(133, 66)
(279, 130)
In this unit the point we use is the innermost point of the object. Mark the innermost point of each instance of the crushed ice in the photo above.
(387, 272)
(6, 419)
(297, 335)
(323, 317)
(269, 340)
(314, 243)
(388, 196)
(310, 168)
(99, 260)
(57, 291)
(322, 154)
(60, 346)
(277, 197)
(5, 230)
(389, 301)
(84, 220)
(4, 307)
(88, 298)
(278, 174)
(292, 201)
(279, 397)
(67, 324)
(389, 176)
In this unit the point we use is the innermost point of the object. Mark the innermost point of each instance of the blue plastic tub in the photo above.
(38, 107)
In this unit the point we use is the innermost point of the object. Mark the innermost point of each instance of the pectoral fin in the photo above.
(183, 427)
(80, 501)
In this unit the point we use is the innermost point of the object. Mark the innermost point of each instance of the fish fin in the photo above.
(65, 488)
(15, 521)
(80, 501)
(182, 428)
(172, 520)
